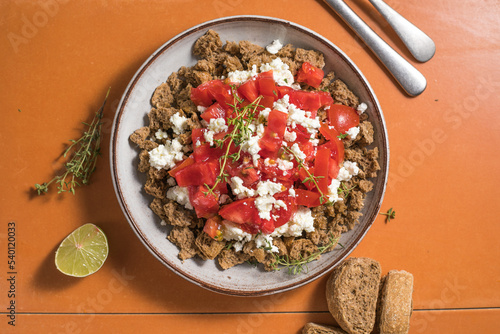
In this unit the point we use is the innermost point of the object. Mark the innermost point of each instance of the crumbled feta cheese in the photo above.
(298, 116)
(282, 104)
(160, 134)
(281, 73)
(239, 190)
(333, 191)
(201, 108)
(274, 47)
(165, 156)
(301, 221)
(348, 170)
(362, 107)
(266, 241)
(268, 188)
(233, 232)
(353, 132)
(284, 164)
(265, 204)
(290, 136)
(265, 113)
(242, 76)
(291, 192)
(179, 122)
(180, 195)
(296, 150)
(163, 223)
(216, 125)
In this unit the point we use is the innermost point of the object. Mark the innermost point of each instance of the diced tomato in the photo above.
(342, 117)
(199, 173)
(308, 149)
(322, 168)
(241, 212)
(310, 101)
(188, 161)
(272, 139)
(249, 90)
(204, 152)
(302, 135)
(203, 95)
(334, 169)
(333, 141)
(205, 204)
(310, 75)
(307, 198)
(197, 135)
(283, 90)
(247, 172)
(272, 171)
(267, 226)
(214, 111)
(266, 84)
(305, 178)
(213, 227)
(284, 215)
(266, 101)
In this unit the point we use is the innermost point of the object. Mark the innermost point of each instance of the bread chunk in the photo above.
(395, 306)
(313, 328)
(352, 292)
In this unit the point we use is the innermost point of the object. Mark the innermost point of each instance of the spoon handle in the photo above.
(410, 79)
(420, 45)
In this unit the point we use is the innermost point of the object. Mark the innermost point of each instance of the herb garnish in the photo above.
(300, 265)
(390, 214)
(83, 160)
(342, 135)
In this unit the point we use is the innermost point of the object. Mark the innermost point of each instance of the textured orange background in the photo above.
(57, 60)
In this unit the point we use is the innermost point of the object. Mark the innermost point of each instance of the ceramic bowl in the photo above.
(241, 280)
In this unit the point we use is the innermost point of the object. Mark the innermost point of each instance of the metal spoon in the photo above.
(420, 45)
(410, 79)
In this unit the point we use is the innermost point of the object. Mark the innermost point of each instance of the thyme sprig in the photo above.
(300, 265)
(390, 214)
(242, 118)
(323, 199)
(85, 151)
(344, 190)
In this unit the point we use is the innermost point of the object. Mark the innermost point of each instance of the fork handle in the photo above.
(410, 79)
(420, 45)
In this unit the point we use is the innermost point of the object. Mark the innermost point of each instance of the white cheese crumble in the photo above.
(265, 204)
(348, 170)
(281, 73)
(290, 136)
(282, 104)
(353, 132)
(291, 192)
(239, 190)
(362, 107)
(179, 122)
(284, 164)
(274, 47)
(266, 241)
(296, 150)
(268, 188)
(233, 232)
(165, 156)
(333, 191)
(242, 76)
(299, 116)
(301, 221)
(201, 108)
(160, 134)
(171, 181)
(180, 195)
(215, 126)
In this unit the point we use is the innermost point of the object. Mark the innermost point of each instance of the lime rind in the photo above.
(83, 252)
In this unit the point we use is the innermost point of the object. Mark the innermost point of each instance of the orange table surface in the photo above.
(58, 58)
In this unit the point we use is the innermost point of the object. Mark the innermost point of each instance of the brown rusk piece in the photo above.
(395, 304)
(313, 328)
(351, 292)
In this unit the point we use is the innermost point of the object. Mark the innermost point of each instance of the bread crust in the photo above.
(352, 293)
(314, 328)
(396, 303)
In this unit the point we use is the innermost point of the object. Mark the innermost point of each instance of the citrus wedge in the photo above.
(83, 252)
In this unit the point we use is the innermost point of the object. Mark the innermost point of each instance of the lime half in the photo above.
(83, 252)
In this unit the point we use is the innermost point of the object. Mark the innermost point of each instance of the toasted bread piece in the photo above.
(395, 306)
(352, 292)
(313, 328)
